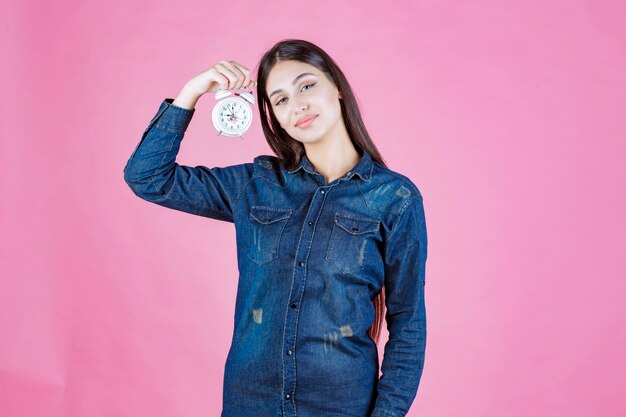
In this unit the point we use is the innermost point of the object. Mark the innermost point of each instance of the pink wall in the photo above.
(509, 117)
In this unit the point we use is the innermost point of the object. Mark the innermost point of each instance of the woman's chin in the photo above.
(311, 139)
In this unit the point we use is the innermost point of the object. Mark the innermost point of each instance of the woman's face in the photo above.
(297, 90)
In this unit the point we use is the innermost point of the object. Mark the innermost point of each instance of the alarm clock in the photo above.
(232, 114)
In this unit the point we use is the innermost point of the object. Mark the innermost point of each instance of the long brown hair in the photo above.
(289, 150)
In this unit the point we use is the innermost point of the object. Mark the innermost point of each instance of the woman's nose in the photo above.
(300, 105)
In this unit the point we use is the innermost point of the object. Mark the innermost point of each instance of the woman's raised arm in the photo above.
(152, 172)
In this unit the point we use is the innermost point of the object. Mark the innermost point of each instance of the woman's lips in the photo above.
(307, 122)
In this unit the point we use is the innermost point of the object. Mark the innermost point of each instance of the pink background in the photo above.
(509, 116)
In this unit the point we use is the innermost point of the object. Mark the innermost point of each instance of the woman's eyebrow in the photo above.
(293, 83)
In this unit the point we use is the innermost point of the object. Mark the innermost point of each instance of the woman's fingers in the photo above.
(244, 75)
(247, 81)
(228, 71)
(242, 78)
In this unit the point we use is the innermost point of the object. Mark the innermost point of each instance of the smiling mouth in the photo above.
(306, 122)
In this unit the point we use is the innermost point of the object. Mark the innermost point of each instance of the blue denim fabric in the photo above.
(311, 257)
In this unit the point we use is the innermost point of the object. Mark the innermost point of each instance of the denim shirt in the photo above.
(312, 256)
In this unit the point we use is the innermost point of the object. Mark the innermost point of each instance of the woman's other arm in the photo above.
(405, 269)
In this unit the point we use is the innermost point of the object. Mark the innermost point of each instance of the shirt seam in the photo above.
(392, 232)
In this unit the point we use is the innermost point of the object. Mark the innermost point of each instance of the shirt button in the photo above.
(289, 352)
(294, 305)
(287, 396)
(348, 173)
(323, 191)
(310, 223)
(301, 263)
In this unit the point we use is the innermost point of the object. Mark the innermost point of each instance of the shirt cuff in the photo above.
(172, 118)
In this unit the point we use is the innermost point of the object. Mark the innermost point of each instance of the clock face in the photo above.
(232, 116)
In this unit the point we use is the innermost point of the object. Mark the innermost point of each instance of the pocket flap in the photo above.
(268, 215)
(356, 225)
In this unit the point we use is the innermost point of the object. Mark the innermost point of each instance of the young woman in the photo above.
(327, 237)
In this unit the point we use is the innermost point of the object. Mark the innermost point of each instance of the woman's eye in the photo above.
(308, 85)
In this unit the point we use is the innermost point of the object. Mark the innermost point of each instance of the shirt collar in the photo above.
(363, 168)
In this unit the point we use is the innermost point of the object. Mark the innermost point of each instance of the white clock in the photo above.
(232, 114)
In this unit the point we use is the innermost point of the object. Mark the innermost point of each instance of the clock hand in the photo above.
(232, 116)
(232, 112)
(235, 113)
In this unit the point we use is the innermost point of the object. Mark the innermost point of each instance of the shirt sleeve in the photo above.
(405, 267)
(153, 174)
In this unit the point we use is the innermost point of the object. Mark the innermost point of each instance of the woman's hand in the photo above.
(225, 75)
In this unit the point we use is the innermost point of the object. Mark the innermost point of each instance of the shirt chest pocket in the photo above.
(266, 225)
(351, 239)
